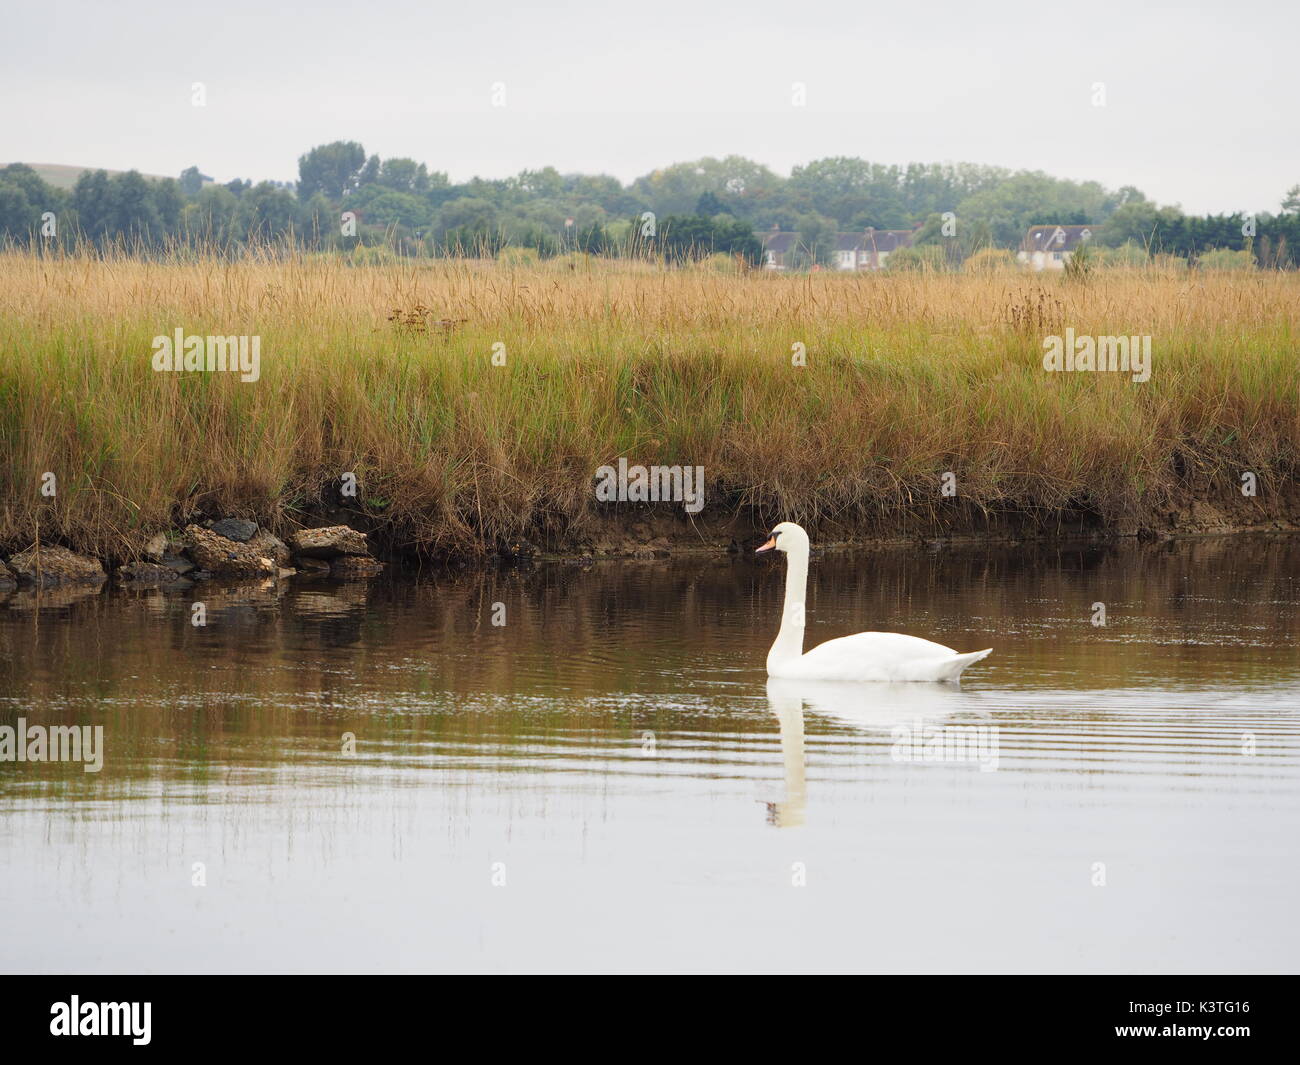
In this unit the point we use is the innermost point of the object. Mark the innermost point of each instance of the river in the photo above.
(571, 767)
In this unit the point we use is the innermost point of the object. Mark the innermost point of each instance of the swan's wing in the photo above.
(883, 656)
(885, 646)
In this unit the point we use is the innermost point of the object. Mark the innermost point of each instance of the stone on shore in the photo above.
(223, 557)
(333, 541)
(155, 547)
(271, 546)
(237, 529)
(56, 565)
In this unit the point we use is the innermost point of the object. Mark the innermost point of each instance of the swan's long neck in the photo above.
(789, 641)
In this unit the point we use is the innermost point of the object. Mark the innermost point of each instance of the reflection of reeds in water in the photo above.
(907, 377)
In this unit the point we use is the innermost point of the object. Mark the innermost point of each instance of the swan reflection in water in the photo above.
(900, 709)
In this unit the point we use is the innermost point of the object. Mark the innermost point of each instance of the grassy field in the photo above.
(906, 378)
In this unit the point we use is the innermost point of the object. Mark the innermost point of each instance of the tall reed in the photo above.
(906, 378)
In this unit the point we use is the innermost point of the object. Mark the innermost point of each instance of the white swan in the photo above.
(865, 656)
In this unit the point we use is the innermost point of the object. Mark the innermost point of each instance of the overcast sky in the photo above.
(1200, 99)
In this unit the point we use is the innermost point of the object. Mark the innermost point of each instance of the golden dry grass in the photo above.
(907, 377)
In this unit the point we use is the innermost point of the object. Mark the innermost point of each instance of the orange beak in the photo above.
(771, 543)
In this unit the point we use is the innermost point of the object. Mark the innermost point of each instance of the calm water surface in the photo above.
(607, 781)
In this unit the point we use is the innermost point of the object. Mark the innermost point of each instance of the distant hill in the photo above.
(64, 177)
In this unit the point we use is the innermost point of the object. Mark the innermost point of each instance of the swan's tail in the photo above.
(955, 666)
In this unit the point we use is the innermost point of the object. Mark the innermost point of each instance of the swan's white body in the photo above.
(865, 656)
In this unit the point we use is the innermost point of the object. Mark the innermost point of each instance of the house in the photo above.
(1049, 247)
(878, 244)
(778, 248)
(867, 250)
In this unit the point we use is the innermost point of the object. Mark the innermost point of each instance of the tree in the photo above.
(332, 169)
(90, 201)
(605, 191)
(266, 212)
(709, 205)
(168, 202)
(467, 211)
(440, 189)
(320, 221)
(857, 193)
(132, 209)
(927, 188)
(688, 237)
(1025, 199)
(545, 182)
(677, 189)
(816, 240)
(18, 216)
(191, 181)
(38, 193)
(842, 188)
(23, 198)
(592, 239)
(400, 208)
(404, 175)
(210, 216)
(1291, 203)
(468, 224)
(1144, 224)
(958, 245)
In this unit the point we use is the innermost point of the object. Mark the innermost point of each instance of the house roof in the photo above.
(780, 242)
(884, 240)
(1055, 238)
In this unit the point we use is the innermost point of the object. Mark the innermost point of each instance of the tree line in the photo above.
(347, 200)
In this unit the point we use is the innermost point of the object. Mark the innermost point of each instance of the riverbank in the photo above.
(464, 409)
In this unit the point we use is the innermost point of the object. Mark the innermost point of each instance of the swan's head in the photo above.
(785, 537)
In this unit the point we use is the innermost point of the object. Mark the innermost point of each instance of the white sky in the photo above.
(1201, 97)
